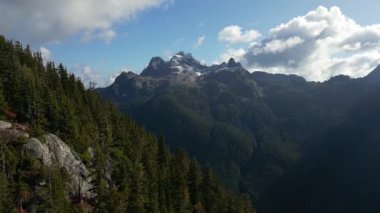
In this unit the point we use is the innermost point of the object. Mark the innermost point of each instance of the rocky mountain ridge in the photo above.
(183, 63)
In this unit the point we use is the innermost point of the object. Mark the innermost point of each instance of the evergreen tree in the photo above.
(195, 181)
(3, 104)
(209, 190)
(137, 200)
(5, 195)
(180, 167)
(164, 192)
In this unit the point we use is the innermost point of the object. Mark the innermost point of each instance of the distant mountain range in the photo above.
(293, 145)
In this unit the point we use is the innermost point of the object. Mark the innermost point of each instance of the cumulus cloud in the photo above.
(53, 20)
(233, 34)
(45, 53)
(112, 78)
(236, 54)
(107, 35)
(321, 44)
(278, 46)
(87, 74)
(200, 41)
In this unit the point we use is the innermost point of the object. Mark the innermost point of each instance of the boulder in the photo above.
(5, 125)
(54, 150)
(38, 150)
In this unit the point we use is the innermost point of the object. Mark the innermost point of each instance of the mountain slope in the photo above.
(340, 173)
(255, 129)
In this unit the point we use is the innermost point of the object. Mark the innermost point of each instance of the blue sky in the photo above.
(128, 40)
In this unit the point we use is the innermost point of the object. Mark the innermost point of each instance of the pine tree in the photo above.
(137, 200)
(100, 186)
(209, 190)
(5, 195)
(180, 167)
(3, 104)
(245, 204)
(195, 181)
(59, 201)
(149, 160)
(164, 192)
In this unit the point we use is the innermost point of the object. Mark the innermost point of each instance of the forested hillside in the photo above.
(132, 170)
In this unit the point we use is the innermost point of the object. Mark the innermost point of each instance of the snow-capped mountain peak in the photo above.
(182, 62)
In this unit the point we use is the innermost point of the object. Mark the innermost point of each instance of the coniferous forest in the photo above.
(131, 169)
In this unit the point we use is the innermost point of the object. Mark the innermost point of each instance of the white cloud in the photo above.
(278, 46)
(87, 74)
(200, 41)
(234, 34)
(46, 54)
(236, 54)
(48, 21)
(321, 44)
(112, 78)
(167, 55)
(107, 35)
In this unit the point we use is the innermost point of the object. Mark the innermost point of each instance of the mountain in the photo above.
(64, 149)
(179, 63)
(288, 142)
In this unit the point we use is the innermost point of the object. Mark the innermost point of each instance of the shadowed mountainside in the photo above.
(261, 132)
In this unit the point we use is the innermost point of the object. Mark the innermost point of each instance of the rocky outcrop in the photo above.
(9, 131)
(5, 125)
(51, 151)
(38, 150)
(54, 151)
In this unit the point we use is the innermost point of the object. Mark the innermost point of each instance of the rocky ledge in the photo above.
(52, 151)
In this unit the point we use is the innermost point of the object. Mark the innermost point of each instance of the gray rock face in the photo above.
(54, 150)
(5, 125)
(40, 151)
